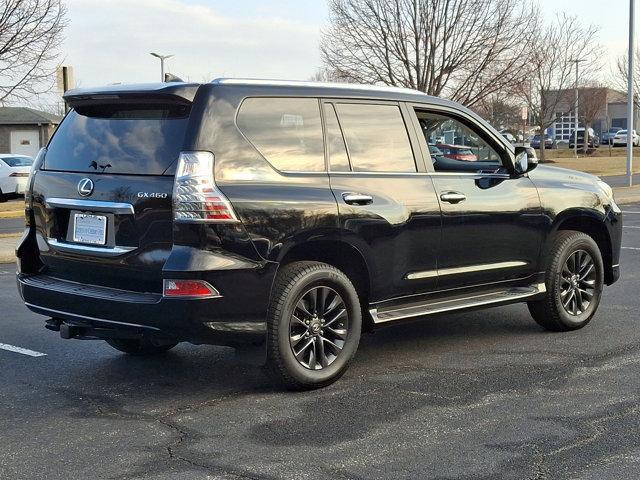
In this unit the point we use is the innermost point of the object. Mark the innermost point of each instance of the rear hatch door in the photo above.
(102, 199)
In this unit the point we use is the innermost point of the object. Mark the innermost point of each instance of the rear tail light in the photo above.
(19, 174)
(196, 198)
(189, 289)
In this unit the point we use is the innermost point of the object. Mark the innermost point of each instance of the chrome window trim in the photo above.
(429, 174)
(467, 269)
(97, 251)
(93, 205)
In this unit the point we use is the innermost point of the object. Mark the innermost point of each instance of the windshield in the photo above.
(18, 161)
(127, 138)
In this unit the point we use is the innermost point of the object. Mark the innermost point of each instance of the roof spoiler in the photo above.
(174, 92)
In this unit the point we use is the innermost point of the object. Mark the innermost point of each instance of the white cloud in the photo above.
(109, 41)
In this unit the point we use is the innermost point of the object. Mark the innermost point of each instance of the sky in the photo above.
(108, 41)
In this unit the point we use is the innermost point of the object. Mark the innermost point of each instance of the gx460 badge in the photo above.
(152, 195)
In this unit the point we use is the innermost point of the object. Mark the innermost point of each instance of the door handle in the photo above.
(453, 197)
(357, 198)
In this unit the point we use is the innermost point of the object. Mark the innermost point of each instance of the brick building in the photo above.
(608, 109)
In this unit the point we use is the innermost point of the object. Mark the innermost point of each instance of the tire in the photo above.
(140, 347)
(3, 197)
(571, 282)
(299, 320)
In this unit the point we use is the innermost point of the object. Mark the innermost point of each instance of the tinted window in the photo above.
(286, 131)
(463, 149)
(142, 139)
(338, 160)
(18, 161)
(376, 137)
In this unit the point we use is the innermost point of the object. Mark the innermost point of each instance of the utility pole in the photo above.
(630, 92)
(577, 122)
(65, 81)
(162, 59)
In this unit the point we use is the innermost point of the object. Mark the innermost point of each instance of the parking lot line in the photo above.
(630, 226)
(23, 351)
(630, 248)
(636, 213)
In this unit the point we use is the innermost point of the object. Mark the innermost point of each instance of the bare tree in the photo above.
(328, 75)
(462, 49)
(553, 50)
(30, 32)
(501, 111)
(622, 75)
(592, 104)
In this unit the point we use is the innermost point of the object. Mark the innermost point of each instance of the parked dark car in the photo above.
(593, 142)
(548, 141)
(607, 137)
(296, 216)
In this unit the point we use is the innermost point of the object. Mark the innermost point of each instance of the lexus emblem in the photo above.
(85, 187)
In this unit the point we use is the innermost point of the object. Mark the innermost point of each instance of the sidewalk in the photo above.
(624, 195)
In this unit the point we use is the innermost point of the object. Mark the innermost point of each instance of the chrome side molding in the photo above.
(92, 205)
(467, 269)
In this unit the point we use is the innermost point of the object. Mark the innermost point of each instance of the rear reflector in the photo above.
(189, 289)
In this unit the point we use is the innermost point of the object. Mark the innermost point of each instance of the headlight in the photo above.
(606, 189)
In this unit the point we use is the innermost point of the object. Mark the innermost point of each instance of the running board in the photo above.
(409, 310)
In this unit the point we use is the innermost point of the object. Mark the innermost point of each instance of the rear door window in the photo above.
(376, 137)
(286, 131)
(125, 139)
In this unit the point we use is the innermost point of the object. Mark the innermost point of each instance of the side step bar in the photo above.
(410, 310)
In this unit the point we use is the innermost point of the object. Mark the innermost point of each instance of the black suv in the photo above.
(297, 215)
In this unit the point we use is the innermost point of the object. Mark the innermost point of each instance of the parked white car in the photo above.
(620, 138)
(14, 172)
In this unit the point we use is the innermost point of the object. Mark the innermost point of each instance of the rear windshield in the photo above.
(127, 139)
(17, 161)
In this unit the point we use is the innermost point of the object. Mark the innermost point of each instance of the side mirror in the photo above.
(526, 160)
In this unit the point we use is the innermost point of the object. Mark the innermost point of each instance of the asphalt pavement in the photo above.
(11, 225)
(482, 395)
(621, 180)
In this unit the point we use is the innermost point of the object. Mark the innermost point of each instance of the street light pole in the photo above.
(630, 92)
(577, 123)
(162, 59)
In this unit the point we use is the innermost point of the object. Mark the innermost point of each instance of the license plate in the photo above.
(90, 229)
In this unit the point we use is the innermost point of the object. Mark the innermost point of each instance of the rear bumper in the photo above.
(230, 320)
(13, 185)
